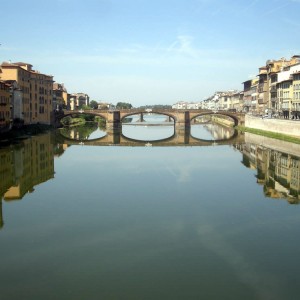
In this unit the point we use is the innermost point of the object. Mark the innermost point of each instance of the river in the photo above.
(174, 222)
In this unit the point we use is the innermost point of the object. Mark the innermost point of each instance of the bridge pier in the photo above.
(113, 120)
(114, 135)
(182, 119)
(182, 134)
(141, 119)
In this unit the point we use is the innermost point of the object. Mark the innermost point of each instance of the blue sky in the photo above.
(149, 52)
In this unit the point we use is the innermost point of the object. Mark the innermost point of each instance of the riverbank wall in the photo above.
(23, 132)
(224, 121)
(287, 127)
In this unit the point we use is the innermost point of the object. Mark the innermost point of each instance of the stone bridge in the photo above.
(181, 118)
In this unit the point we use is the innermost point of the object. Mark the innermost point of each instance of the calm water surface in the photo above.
(178, 222)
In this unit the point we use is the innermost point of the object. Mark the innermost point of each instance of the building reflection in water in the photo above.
(278, 172)
(219, 132)
(24, 166)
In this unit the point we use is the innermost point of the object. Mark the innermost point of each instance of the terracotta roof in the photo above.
(22, 64)
(7, 64)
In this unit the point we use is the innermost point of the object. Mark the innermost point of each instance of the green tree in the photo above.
(123, 105)
(94, 104)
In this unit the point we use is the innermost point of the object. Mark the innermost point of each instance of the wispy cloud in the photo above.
(275, 8)
(183, 45)
(248, 7)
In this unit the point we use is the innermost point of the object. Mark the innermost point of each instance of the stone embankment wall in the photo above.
(288, 127)
(223, 121)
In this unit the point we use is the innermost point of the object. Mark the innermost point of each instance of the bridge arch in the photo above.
(78, 113)
(222, 113)
(89, 141)
(132, 113)
(170, 138)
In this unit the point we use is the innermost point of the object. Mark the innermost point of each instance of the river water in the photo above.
(179, 221)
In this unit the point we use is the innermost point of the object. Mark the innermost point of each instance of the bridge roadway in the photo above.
(181, 137)
(182, 118)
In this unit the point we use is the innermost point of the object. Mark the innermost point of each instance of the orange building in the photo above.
(36, 91)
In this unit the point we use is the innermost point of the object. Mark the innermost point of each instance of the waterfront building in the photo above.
(180, 105)
(271, 76)
(284, 96)
(237, 101)
(262, 90)
(36, 91)
(78, 100)
(247, 95)
(192, 106)
(274, 102)
(223, 101)
(16, 101)
(226, 100)
(212, 102)
(5, 107)
(61, 98)
(254, 95)
(295, 105)
(286, 101)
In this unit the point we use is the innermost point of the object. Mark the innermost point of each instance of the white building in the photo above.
(180, 105)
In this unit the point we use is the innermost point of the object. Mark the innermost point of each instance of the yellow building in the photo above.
(5, 107)
(284, 93)
(268, 94)
(36, 89)
(295, 103)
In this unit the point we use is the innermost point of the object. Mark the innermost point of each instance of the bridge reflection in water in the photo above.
(180, 137)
